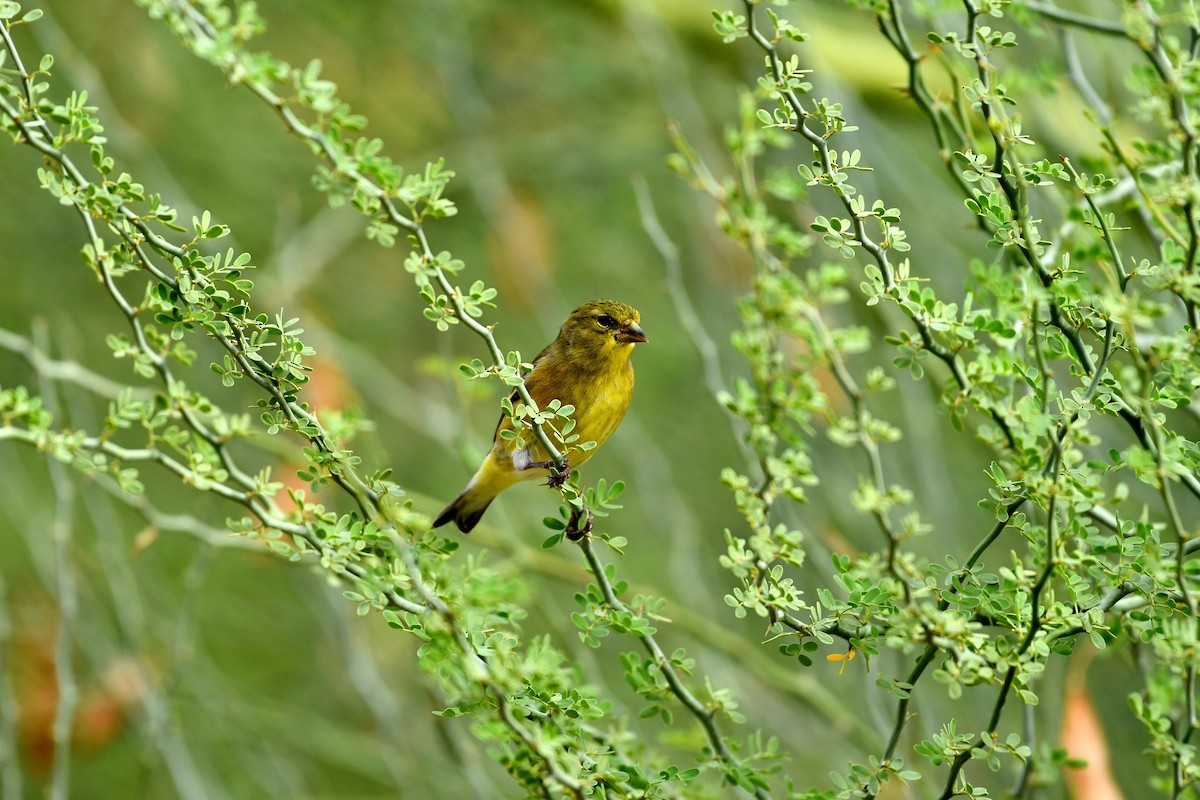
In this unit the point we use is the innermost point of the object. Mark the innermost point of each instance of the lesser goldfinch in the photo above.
(586, 366)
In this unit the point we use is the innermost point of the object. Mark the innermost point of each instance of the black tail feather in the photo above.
(464, 514)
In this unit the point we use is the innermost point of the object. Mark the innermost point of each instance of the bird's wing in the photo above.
(512, 398)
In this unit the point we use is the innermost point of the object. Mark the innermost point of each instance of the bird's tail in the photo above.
(492, 478)
(466, 509)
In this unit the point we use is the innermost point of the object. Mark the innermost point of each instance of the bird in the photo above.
(586, 366)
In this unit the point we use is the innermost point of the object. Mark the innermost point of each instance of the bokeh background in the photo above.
(205, 667)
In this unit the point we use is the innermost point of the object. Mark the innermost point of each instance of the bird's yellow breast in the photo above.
(601, 396)
(600, 409)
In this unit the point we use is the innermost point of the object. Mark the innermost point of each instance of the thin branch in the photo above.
(1074, 19)
(697, 709)
(68, 371)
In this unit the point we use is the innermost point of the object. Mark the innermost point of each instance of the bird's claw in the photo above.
(557, 477)
(574, 532)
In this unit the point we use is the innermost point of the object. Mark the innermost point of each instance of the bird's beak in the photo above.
(633, 333)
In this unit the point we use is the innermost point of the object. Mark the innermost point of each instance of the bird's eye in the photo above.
(606, 321)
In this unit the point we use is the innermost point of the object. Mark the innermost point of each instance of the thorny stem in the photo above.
(705, 715)
(896, 34)
(894, 31)
(1161, 61)
(1035, 624)
(866, 442)
(877, 251)
(1102, 223)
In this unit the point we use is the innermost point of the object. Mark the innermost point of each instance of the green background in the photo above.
(233, 674)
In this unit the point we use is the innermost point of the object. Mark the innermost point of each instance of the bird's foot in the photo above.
(574, 532)
(557, 476)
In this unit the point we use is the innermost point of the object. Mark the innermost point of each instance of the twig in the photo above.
(697, 709)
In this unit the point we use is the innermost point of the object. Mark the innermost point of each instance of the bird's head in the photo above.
(601, 330)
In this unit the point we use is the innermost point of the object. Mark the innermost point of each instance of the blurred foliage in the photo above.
(988, 354)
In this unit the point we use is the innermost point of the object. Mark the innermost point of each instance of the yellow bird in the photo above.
(586, 366)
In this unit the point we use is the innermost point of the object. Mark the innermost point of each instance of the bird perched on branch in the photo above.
(586, 366)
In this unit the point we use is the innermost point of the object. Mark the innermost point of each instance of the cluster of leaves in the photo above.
(1074, 363)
